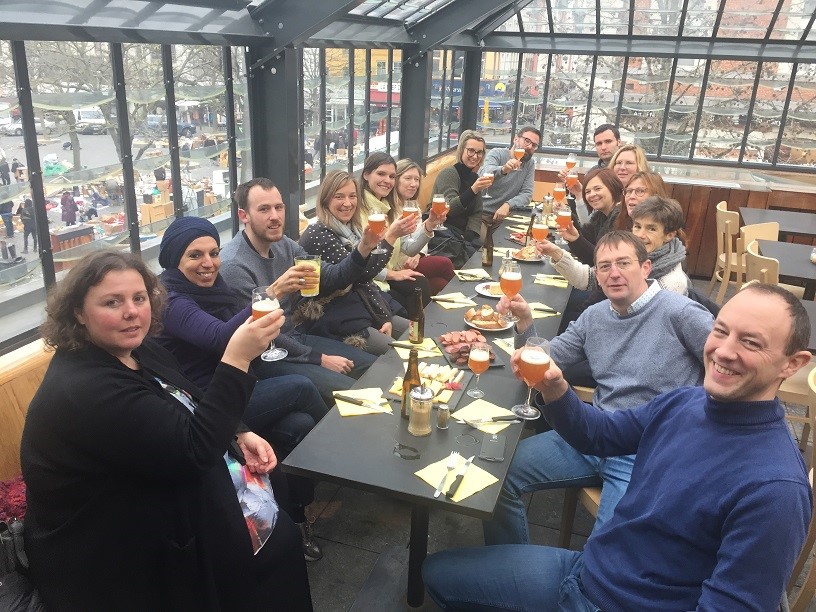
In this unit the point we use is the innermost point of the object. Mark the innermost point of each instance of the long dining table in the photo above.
(368, 452)
(790, 222)
(794, 263)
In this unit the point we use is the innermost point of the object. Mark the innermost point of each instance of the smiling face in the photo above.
(745, 353)
(598, 195)
(408, 184)
(201, 261)
(620, 275)
(635, 193)
(265, 215)
(473, 153)
(652, 233)
(625, 166)
(528, 141)
(343, 202)
(381, 180)
(116, 313)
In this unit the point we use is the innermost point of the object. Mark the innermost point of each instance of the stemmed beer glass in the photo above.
(264, 302)
(510, 283)
(533, 364)
(376, 222)
(439, 205)
(478, 362)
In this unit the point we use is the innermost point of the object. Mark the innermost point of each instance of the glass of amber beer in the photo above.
(478, 362)
(440, 206)
(534, 362)
(377, 224)
(264, 302)
(510, 283)
(310, 289)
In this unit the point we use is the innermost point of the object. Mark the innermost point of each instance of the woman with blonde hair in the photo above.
(628, 160)
(438, 270)
(360, 314)
(462, 188)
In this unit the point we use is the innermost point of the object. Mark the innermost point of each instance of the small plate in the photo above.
(489, 329)
(532, 259)
(484, 289)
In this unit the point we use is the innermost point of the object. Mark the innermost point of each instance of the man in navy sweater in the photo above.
(719, 502)
(639, 343)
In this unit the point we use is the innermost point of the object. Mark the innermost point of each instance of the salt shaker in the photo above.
(419, 419)
(813, 256)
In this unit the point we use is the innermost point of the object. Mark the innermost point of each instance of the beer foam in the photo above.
(512, 276)
(266, 305)
(376, 217)
(479, 355)
(534, 357)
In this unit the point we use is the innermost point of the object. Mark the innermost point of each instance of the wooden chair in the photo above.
(801, 600)
(590, 497)
(757, 231)
(728, 262)
(795, 390)
(765, 269)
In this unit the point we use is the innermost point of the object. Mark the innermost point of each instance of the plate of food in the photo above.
(528, 253)
(485, 318)
(456, 347)
(491, 289)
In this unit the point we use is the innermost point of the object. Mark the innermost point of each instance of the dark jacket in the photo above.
(599, 224)
(130, 504)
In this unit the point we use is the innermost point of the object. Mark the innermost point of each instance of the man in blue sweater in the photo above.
(640, 342)
(719, 503)
(262, 255)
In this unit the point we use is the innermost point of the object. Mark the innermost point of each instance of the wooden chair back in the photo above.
(802, 599)
(728, 262)
(758, 267)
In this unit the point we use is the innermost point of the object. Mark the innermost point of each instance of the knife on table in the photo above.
(493, 419)
(459, 476)
(358, 402)
(454, 300)
(547, 310)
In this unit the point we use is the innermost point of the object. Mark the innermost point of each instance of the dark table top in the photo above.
(794, 259)
(789, 222)
(359, 451)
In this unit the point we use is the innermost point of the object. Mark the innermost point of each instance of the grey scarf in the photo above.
(349, 235)
(666, 258)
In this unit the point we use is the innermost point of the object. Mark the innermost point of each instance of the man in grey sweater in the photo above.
(260, 256)
(512, 188)
(640, 342)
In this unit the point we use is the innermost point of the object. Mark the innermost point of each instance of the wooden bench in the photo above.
(21, 373)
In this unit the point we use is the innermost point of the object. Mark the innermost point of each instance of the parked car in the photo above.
(15, 128)
(90, 121)
(157, 125)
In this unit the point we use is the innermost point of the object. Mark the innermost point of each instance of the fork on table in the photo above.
(453, 460)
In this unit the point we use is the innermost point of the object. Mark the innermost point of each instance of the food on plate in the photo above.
(457, 344)
(485, 317)
(494, 289)
(518, 237)
(528, 252)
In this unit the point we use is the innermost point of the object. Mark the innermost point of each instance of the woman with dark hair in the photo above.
(361, 314)
(201, 315)
(137, 495)
(602, 191)
(462, 189)
(378, 195)
(641, 185)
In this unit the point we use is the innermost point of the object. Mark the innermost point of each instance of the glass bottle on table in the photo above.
(510, 283)
(416, 321)
(264, 302)
(487, 250)
(534, 361)
(409, 381)
(478, 362)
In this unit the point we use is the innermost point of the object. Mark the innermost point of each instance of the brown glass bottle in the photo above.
(410, 381)
(528, 237)
(487, 250)
(416, 323)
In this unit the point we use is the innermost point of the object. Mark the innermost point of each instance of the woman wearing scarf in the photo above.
(360, 314)
(658, 222)
(462, 189)
(378, 194)
(201, 316)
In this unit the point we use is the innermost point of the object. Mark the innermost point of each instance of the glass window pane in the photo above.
(604, 96)
(700, 18)
(573, 17)
(793, 19)
(658, 18)
(615, 17)
(644, 101)
(337, 108)
(737, 22)
(683, 107)
(533, 73)
(535, 19)
(798, 139)
(727, 97)
(567, 101)
(242, 114)
(446, 97)
(497, 97)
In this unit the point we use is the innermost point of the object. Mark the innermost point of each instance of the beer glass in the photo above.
(478, 362)
(377, 224)
(314, 262)
(439, 205)
(411, 208)
(571, 161)
(510, 283)
(264, 302)
(534, 361)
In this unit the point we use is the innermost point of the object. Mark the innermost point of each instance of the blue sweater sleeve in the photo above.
(185, 320)
(762, 536)
(593, 431)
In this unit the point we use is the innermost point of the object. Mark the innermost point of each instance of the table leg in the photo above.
(417, 551)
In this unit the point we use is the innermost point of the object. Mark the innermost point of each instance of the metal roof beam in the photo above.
(360, 33)
(650, 46)
(451, 19)
(292, 22)
(497, 19)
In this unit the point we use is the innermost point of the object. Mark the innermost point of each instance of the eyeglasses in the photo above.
(475, 152)
(621, 264)
(638, 191)
(528, 142)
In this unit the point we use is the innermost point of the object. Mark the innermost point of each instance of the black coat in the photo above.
(130, 504)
